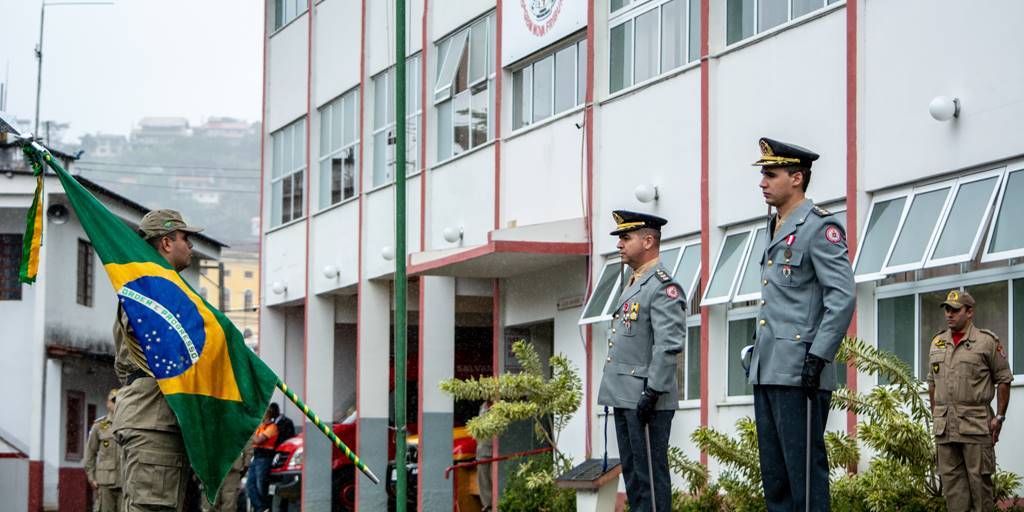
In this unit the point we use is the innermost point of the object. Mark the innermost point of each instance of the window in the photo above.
(1006, 238)
(248, 274)
(74, 425)
(227, 272)
(339, 149)
(731, 257)
(650, 38)
(745, 18)
(384, 122)
(287, 10)
(550, 85)
(286, 175)
(85, 273)
(908, 322)
(929, 225)
(688, 363)
(687, 272)
(741, 334)
(248, 300)
(10, 266)
(602, 299)
(464, 93)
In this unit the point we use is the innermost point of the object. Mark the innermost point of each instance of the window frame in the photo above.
(628, 13)
(352, 148)
(684, 386)
(750, 230)
(979, 235)
(736, 296)
(689, 288)
(280, 14)
(987, 255)
(85, 274)
(737, 314)
(755, 12)
(288, 174)
(888, 269)
(575, 42)
(445, 95)
(388, 78)
(604, 315)
(13, 242)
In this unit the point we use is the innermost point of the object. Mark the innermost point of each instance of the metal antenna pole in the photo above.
(39, 65)
(401, 289)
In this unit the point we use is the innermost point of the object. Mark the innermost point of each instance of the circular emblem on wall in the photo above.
(166, 323)
(540, 15)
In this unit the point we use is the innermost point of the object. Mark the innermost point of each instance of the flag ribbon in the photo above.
(33, 239)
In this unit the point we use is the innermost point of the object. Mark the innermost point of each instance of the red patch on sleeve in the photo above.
(672, 292)
(832, 234)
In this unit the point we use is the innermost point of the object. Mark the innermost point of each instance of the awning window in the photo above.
(1006, 237)
(597, 308)
(883, 219)
(917, 226)
(730, 259)
(687, 271)
(750, 280)
(963, 222)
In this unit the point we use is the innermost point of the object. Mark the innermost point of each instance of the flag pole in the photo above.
(401, 291)
(327, 431)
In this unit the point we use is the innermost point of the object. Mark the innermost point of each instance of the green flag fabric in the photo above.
(217, 387)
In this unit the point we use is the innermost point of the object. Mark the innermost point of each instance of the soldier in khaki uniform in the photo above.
(101, 461)
(154, 464)
(227, 498)
(967, 365)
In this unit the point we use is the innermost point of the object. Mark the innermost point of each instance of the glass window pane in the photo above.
(646, 53)
(412, 143)
(543, 74)
(348, 175)
(964, 220)
(693, 34)
(478, 51)
(1007, 234)
(351, 132)
(461, 81)
(878, 235)
(801, 7)
(380, 94)
(621, 57)
(391, 96)
(728, 264)
(751, 280)
(325, 183)
(336, 171)
(932, 321)
(771, 13)
(618, 4)
(1017, 351)
(490, 102)
(527, 95)
(605, 284)
(491, 31)
(412, 85)
(288, 150)
(992, 308)
(337, 123)
(918, 227)
(565, 79)
(517, 99)
(380, 162)
(276, 198)
(668, 257)
(286, 199)
(686, 272)
(741, 334)
(299, 155)
(480, 100)
(298, 198)
(739, 20)
(442, 54)
(896, 329)
(444, 131)
(692, 363)
(325, 130)
(673, 33)
(581, 72)
(278, 156)
(460, 122)
(454, 47)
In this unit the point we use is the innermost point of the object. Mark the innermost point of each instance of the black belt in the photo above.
(136, 375)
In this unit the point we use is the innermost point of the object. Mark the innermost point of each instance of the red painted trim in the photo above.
(72, 492)
(263, 137)
(502, 246)
(306, 207)
(13, 455)
(359, 220)
(35, 486)
(423, 127)
(588, 133)
(496, 118)
(705, 211)
(496, 348)
(852, 15)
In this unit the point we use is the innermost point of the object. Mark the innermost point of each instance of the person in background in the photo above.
(263, 442)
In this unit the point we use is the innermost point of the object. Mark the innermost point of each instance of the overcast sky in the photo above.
(106, 66)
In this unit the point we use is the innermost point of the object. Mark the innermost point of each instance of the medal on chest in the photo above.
(787, 270)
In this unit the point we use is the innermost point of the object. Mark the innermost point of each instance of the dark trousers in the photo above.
(256, 481)
(633, 456)
(781, 416)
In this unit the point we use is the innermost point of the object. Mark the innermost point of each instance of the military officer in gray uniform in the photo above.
(639, 382)
(807, 303)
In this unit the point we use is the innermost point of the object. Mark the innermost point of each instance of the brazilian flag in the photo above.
(217, 387)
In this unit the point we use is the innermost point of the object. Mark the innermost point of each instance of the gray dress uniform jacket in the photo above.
(648, 330)
(807, 297)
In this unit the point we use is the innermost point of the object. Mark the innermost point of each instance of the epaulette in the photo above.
(662, 275)
(990, 333)
(821, 212)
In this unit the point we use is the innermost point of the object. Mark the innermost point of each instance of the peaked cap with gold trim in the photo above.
(626, 221)
(779, 154)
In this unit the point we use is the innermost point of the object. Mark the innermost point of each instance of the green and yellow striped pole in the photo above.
(322, 427)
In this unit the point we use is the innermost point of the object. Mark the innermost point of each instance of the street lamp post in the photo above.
(39, 51)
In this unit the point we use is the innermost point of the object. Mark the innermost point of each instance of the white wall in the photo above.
(288, 69)
(332, 242)
(460, 193)
(916, 50)
(380, 30)
(379, 226)
(337, 35)
(284, 260)
(18, 367)
(790, 87)
(455, 15)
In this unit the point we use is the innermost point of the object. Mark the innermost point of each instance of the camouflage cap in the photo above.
(162, 222)
(957, 299)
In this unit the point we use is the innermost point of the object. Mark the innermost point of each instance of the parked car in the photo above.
(286, 470)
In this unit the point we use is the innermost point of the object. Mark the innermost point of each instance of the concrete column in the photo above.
(52, 432)
(316, 467)
(437, 324)
(372, 386)
(272, 336)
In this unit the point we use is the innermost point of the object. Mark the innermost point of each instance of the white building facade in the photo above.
(528, 122)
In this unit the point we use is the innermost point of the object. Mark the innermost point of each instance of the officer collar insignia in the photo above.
(662, 275)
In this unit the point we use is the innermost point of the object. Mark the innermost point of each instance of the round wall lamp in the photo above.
(452, 234)
(331, 272)
(278, 287)
(646, 193)
(387, 252)
(944, 108)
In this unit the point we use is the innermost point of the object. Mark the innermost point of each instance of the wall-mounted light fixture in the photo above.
(452, 234)
(944, 108)
(645, 193)
(387, 252)
(331, 272)
(278, 287)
